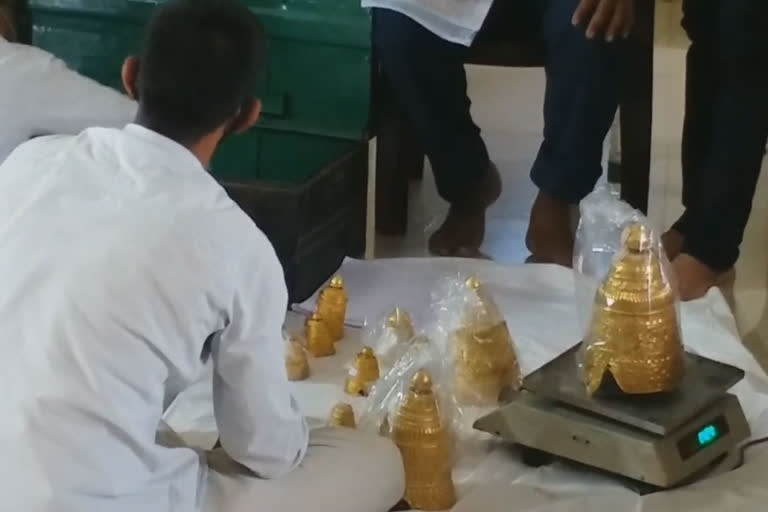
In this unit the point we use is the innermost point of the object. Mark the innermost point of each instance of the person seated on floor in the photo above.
(422, 46)
(724, 138)
(125, 267)
(39, 95)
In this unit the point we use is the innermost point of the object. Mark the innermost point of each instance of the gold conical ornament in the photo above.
(296, 363)
(424, 442)
(485, 358)
(332, 305)
(342, 415)
(319, 339)
(634, 334)
(363, 373)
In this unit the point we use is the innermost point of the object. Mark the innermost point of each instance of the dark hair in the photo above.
(20, 19)
(199, 65)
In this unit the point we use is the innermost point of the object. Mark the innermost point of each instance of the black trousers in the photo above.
(428, 76)
(726, 124)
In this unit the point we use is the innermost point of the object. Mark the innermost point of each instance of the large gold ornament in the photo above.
(484, 352)
(425, 444)
(319, 339)
(363, 373)
(296, 364)
(332, 306)
(634, 334)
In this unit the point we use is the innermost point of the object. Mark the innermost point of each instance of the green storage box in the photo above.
(315, 92)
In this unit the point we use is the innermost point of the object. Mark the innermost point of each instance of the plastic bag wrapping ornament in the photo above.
(296, 362)
(603, 219)
(390, 336)
(362, 373)
(390, 390)
(479, 353)
(634, 332)
(332, 306)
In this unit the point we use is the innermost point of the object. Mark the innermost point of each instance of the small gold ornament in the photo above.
(634, 334)
(425, 444)
(296, 363)
(363, 373)
(342, 415)
(332, 305)
(319, 339)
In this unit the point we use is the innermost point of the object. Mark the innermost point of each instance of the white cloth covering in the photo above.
(537, 301)
(124, 268)
(39, 95)
(457, 21)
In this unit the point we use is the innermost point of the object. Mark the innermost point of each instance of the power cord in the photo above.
(747, 446)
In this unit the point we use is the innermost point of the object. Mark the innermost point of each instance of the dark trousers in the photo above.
(726, 124)
(428, 76)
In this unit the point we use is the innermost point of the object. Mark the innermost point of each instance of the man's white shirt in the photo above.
(125, 269)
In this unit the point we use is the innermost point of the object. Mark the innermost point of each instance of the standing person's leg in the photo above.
(736, 42)
(344, 471)
(428, 76)
(579, 108)
(700, 22)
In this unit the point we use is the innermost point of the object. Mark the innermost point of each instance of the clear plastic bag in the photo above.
(389, 391)
(603, 218)
(479, 355)
(390, 335)
(296, 361)
(627, 302)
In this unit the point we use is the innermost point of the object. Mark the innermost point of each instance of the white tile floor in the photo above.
(507, 106)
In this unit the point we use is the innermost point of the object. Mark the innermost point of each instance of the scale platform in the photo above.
(663, 440)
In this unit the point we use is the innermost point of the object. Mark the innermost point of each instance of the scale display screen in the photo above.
(706, 435)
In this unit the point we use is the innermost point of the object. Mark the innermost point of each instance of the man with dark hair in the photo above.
(39, 95)
(126, 269)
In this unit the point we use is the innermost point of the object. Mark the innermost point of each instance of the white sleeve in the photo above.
(260, 425)
(62, 101)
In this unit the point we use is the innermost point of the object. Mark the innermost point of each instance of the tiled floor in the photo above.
(507, 106)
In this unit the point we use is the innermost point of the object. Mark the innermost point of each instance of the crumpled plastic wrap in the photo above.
(603, 218)
(629, 309)
(296, 361)
(390, 335)
(479, 355)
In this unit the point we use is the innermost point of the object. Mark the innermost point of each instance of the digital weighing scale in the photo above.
(663, 440)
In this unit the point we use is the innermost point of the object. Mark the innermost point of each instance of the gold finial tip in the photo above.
(421, 382)
(367, 352)
(637, 238)
(337, 282)
(473, 282)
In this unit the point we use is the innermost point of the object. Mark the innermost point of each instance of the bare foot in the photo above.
(463, 230)
(694, 277)
(673, 241)
(549, 236)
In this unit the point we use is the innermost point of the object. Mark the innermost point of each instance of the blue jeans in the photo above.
(726, 124)
(427, 74)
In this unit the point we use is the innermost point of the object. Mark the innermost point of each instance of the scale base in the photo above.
(545, 426)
